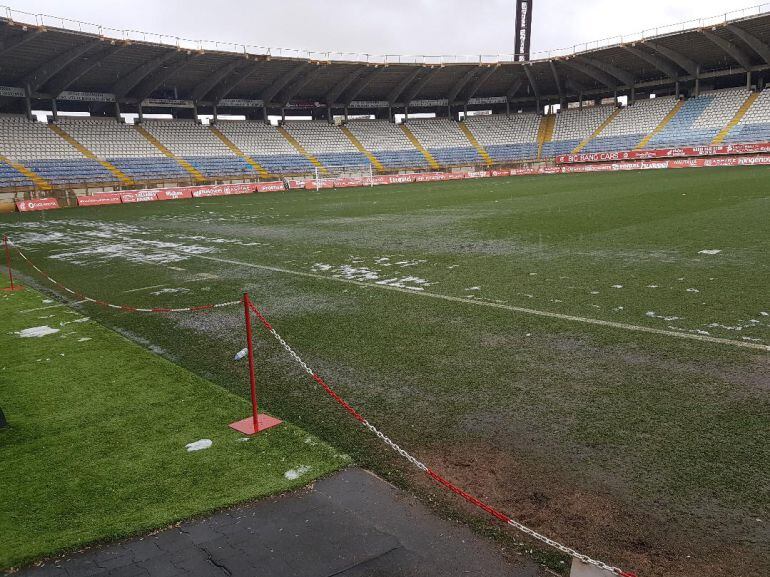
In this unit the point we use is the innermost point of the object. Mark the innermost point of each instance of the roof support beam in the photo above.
(340, 87)
(579, 88)
(730, 49)
(416, 88)
(532, 81)
(18, 41)
(406, 81)
(597, 75)
(479, 82)
(37, 78)
(461, 83)
(236, 77)
(514, 88)
(214, 79)
(557, 80)
(293, 89)
(623, 75)
(655, 60)
(353, 91)
(269, 94)
(60, 82)
(156, 79)
(128, 82)
(757, 45)
(692, 67)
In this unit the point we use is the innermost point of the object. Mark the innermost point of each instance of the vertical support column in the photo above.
(141, 113)
(27, 103)
(507, 107)
(54, 110)
(117, 110)
(697, 81)
(748, 80)
(676, 89)
(215, 115)
(633, 95)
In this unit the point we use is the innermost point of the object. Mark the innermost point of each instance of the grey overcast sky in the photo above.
(383, 26)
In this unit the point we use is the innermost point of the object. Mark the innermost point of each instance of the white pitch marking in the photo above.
(136, 290)
(515, 309)
(44, 308)
(53, 306)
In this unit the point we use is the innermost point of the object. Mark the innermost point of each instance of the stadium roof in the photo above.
(92, 63)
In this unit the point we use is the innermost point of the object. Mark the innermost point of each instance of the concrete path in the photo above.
(352, 524)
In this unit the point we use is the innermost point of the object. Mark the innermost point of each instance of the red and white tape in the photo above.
(124, 308)
(428, 471)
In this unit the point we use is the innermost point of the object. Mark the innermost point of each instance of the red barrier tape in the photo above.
(124, 308)
(430, 472)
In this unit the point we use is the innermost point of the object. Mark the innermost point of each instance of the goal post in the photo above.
(358, 174)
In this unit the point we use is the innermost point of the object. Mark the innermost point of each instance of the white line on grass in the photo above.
(52, 307)
(44, 308)
(534, 312)
(144, 288)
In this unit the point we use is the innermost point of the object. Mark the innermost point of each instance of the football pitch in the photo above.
(588, 353)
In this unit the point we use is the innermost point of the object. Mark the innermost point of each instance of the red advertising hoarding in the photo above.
(37, 204)
(682, 152)
(99, 199)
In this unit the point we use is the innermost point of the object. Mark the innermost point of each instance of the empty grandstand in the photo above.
(670, 91)
(506, 138)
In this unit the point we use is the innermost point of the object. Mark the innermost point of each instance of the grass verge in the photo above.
(95, 449)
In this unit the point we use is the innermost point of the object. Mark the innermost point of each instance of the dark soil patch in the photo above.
(591, 519)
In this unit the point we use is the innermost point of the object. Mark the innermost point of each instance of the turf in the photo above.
(640, 448)
(98, 427)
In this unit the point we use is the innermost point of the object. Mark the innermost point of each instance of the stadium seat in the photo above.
(632, 124)
(755, 125)
(265, 145)
(387, 143)
(573, 125)
(701, 119)
(327, 143)
(445, 141)
(506, 138)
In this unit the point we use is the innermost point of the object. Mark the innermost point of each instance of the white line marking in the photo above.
(144, 288)
(534, 312)
(44, 308)
(52, 307)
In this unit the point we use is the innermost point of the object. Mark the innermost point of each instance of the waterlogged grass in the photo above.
(642, 449)
(98, 428)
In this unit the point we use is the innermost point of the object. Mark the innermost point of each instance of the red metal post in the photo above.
(8, 259)
(256, 423)
(252, 376)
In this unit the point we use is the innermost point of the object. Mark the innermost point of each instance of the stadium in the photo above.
(279, 312)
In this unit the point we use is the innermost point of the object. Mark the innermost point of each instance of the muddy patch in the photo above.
(590, 518)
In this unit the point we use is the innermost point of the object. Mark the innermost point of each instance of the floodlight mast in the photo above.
(523, 29)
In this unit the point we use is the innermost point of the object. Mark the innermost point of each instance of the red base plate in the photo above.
(14, 289)
(246, 426)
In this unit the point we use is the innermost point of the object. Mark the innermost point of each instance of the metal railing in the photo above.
(45, 20)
